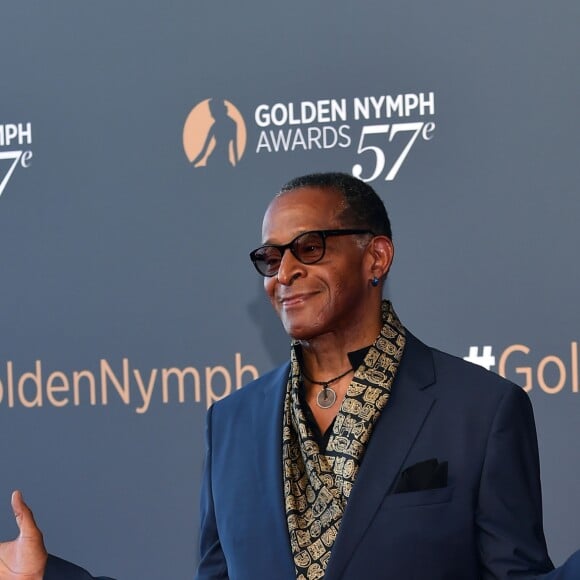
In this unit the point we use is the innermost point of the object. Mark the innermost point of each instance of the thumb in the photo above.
(23, 515)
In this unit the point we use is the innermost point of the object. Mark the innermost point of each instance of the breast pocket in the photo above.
(425, 497)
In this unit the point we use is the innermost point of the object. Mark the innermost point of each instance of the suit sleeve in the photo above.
(212, 565)
(509, 513)
(58, 569)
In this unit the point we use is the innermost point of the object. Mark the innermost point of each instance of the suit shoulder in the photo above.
(266, 384)
(445, 359)
(473, 378)
(457, 374)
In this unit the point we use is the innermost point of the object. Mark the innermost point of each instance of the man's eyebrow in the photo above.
(296, 234)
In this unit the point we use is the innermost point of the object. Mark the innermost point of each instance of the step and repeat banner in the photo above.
(140, 143)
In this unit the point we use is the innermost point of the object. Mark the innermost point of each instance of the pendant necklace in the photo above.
(327, 396)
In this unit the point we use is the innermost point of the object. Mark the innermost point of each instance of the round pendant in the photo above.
(326, 398)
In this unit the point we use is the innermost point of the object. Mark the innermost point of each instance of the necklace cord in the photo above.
(325, 384)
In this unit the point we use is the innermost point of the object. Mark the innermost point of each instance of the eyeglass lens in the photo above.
(308, 248)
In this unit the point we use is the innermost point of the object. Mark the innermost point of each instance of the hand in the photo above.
(25, 557)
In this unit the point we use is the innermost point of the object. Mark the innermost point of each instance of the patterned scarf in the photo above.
(317, 485)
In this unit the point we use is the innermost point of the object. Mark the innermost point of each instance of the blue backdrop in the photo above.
(139, 146)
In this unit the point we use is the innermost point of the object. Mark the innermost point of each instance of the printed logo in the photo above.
(19, 136)
(214, 134)
(380, 131)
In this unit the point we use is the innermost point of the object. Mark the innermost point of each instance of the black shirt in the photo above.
(356, 358)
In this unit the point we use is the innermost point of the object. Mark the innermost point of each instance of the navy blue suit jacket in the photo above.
(486, 523)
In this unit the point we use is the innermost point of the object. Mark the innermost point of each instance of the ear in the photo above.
(381, 253)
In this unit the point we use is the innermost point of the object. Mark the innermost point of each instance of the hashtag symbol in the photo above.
(485, 360)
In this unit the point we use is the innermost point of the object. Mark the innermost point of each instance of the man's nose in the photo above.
(290, 268)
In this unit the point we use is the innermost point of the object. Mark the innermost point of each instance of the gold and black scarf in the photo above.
(317, 485)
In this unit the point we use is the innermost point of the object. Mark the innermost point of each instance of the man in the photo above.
(369, 454)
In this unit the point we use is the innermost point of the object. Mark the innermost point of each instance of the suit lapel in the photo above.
(267, 442)
(389, 445)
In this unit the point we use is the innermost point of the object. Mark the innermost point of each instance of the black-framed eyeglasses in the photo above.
(308, 248)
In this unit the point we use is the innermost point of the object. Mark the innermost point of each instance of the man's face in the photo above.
(330, 295)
